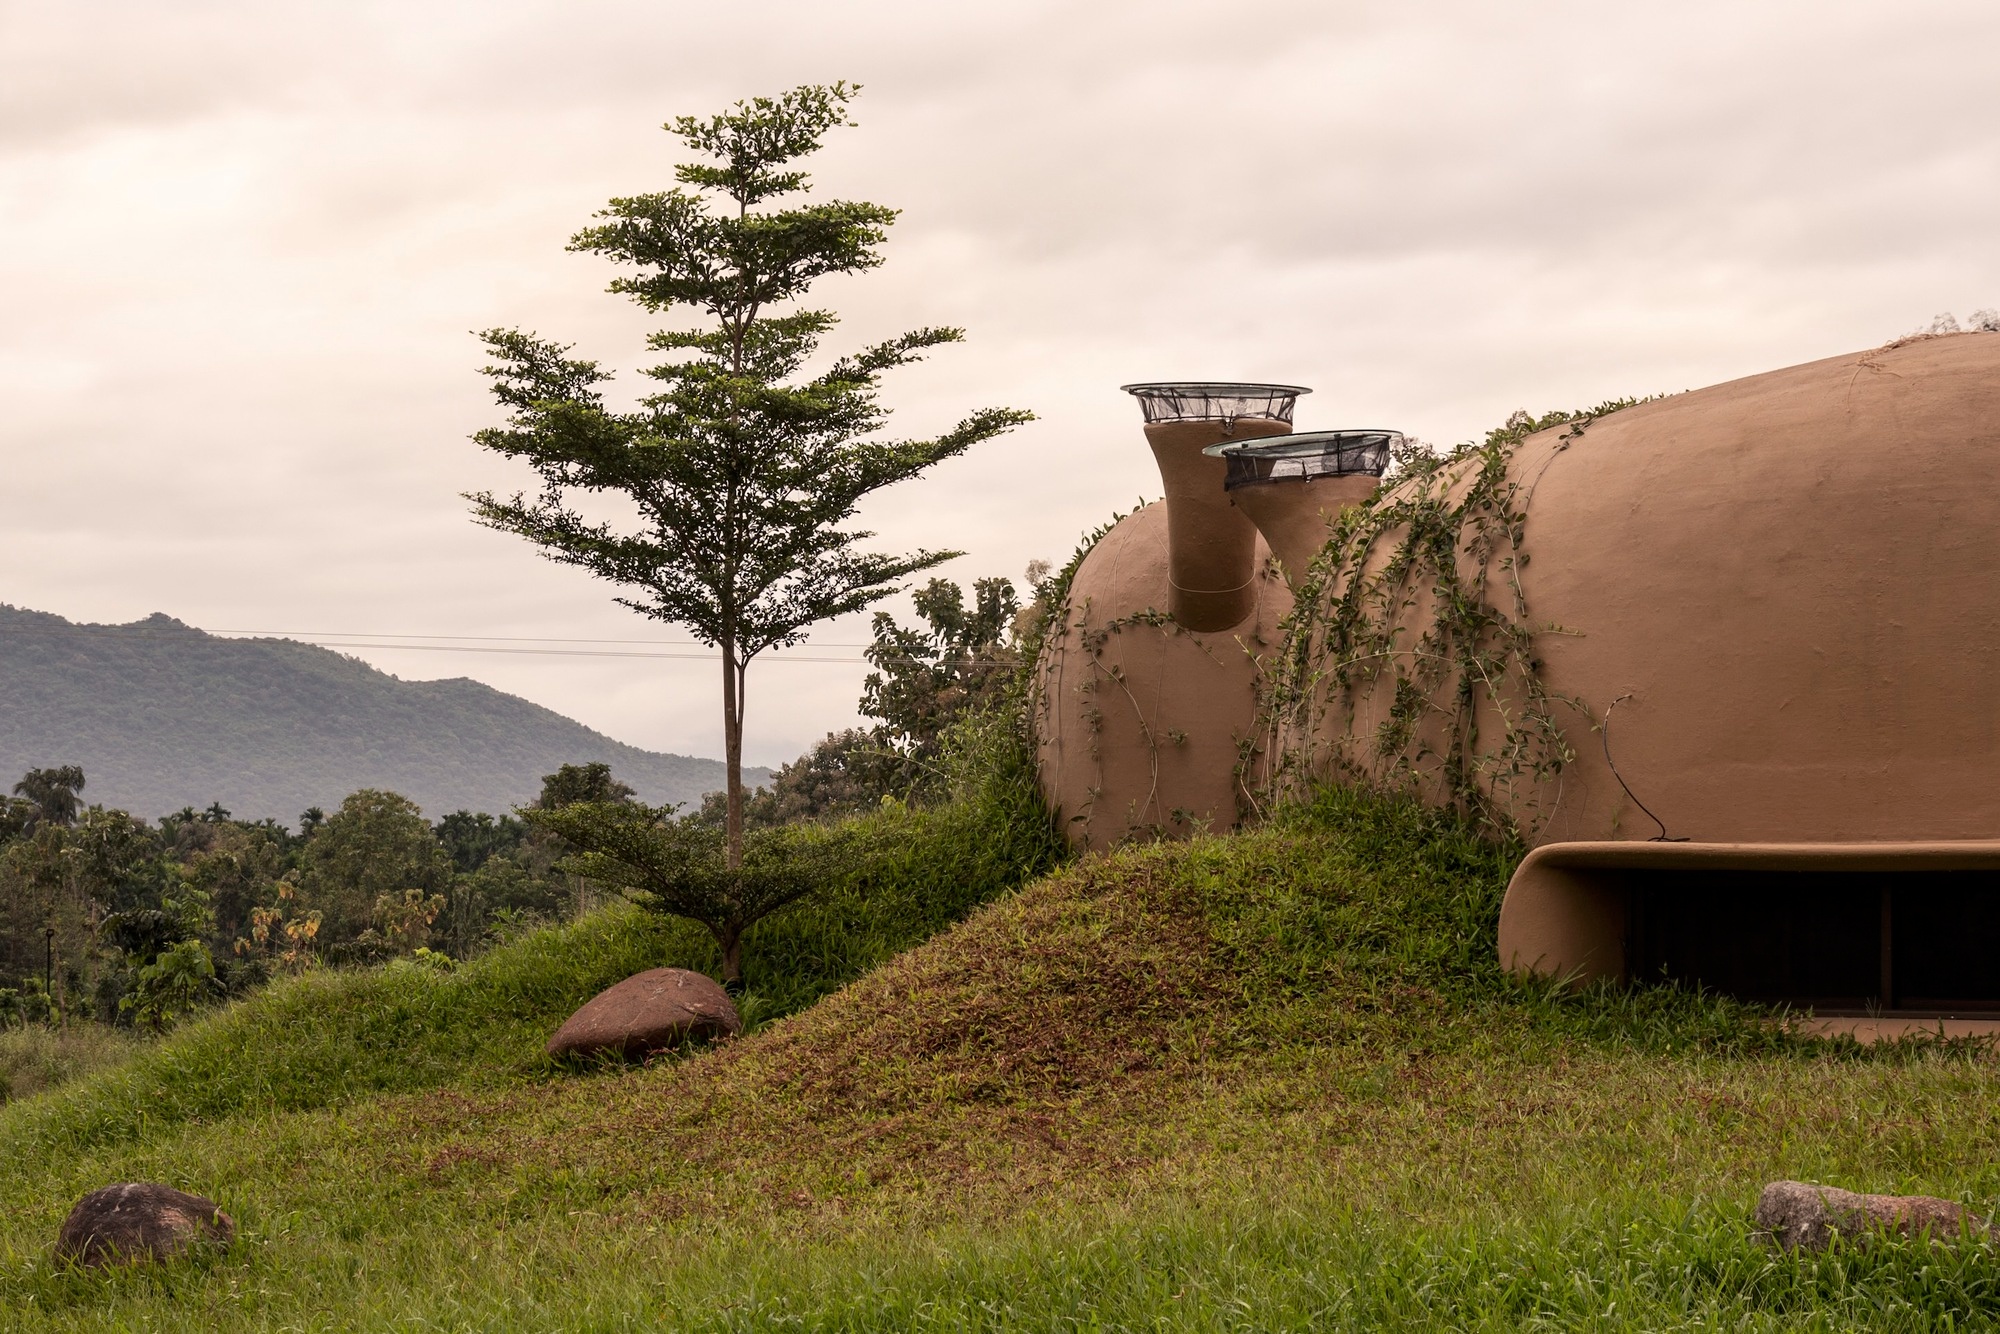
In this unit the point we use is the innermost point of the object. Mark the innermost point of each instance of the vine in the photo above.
(1439, 547)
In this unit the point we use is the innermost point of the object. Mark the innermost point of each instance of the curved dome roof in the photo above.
(1788, 586)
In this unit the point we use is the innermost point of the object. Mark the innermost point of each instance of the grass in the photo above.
(1273, 1080)
(36, 1058)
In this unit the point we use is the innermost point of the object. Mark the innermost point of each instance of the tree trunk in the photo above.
(732, 751)
(731, 940)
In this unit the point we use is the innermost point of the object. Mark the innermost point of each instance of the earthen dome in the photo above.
(1727, 662)
(1790, 584)
(1783, 594)
(1144, 727)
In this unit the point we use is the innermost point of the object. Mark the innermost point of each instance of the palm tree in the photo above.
(53, 793)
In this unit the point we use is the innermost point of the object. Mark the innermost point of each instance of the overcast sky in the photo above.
(242, 246)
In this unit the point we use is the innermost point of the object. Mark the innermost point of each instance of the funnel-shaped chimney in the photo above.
(1211, 545)
(1293, 489)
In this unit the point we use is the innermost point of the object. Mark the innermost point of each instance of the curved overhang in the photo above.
(1568, 907)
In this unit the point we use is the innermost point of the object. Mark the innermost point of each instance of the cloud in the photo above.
(243, 247)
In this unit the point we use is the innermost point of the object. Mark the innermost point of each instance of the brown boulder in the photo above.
(1795, 1214)
(648, 1012)
(138, 1221)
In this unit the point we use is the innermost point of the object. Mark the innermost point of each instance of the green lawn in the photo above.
(1266, 1081)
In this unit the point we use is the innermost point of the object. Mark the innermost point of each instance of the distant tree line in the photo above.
(105, 916)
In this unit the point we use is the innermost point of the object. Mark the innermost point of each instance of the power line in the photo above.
(329, 636)
(316, 635)
(506, 644)
(773, 655)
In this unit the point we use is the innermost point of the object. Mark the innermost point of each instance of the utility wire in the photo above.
(771, 655)
(510, 644)
(497, 639)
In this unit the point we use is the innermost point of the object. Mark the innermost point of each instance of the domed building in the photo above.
(1738, 683)
(1147, 685)
(1728, 661)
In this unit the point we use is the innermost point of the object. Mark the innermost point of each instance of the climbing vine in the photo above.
(1409, 659)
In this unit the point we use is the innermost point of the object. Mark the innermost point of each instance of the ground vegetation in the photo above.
(107, 920)
(1269, 1080)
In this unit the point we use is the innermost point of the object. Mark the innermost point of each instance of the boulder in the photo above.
(138, 1221)
(648, 1012)
(1798, 1215)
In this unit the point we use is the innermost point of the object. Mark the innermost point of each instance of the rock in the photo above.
(138, 1221)
(648, 1012)
(1795, 1214)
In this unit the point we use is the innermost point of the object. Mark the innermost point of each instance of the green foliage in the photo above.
(681, 867)
(327, 1037)
(168, 972)
(1417, 600)
(97, 902)
(180, 980)
(1274, 1080)
(499, 899)
(233, 866)
(904, 873)
(964, 662)
(376, 845)
(959, 661)
(843, 773)
(58, 882)
(52, 794)
(743, 468)
(1299, 1260)
(35, 1057)
(472, 840)
(573, 783)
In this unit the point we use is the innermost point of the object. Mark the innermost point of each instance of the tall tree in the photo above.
(743, 467)
(54, 793)
(376, 846)
(960, 660)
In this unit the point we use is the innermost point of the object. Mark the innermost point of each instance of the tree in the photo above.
(179, 980)
(472, 840)
(376, 844)
(680, 866)
(742, 467)
(54, 793)
(961, 660)
(581, 782)
(844, 772)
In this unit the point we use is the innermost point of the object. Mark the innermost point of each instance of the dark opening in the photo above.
(1926, 942)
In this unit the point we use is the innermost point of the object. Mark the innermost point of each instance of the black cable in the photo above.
(1604, 731)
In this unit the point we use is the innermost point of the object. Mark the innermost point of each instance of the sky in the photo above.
(243, 248)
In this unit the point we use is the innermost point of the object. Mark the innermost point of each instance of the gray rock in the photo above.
(138, 1221)
(1798, 1215)
(648, 1012)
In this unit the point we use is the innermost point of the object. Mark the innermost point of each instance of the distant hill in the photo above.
(162, 716)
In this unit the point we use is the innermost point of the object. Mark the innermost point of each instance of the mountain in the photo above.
(162, 716)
